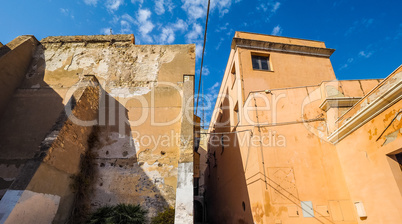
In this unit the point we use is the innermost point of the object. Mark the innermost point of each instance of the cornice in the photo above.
(281, 47)
(337, 102)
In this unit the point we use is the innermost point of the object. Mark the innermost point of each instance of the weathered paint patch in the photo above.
(121, 66)
(115, 147)
(392, 137)
(28, 207)
(129, 92)
(184, 194)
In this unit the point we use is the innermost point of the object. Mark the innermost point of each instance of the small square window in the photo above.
(307, 209)
(260, 62)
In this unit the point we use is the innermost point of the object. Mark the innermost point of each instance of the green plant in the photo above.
(119, 214)
(165, 217)
(103, 215)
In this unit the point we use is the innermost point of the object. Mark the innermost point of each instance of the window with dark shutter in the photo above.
(260, 62)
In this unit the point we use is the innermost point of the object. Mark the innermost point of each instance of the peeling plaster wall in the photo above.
(129, 169)
(121, 68)
(142, 90)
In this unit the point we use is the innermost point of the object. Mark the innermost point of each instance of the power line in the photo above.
(202, 59)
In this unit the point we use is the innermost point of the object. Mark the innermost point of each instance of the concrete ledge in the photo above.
(338, 102)
(90, 39)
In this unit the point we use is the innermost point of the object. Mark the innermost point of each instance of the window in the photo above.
(260, 62)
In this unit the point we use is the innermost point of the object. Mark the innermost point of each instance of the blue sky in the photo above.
(367, 35)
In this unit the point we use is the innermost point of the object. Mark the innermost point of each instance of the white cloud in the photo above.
(196, 36)
(180, 25)
(197, 9)
(223, 7)
(205, 71)
(167, 35)
(66, 12)
(159, 7)
(198, 49)
(348, 62)
(365, 54)
(145, 26)
(213, 88)
(269, 7)
(105, 31)
(230, 32)
(275, 7)
(113, 5)
(143, 15)
(223, 12)
(161, 4)
(128, 18)
(359, 25)
(194, 9)
(219, 43)
(115, 20)
(125, 27)
(195, 33)
(222, 28)
(91, 2)
(125, 23)
(277, 30)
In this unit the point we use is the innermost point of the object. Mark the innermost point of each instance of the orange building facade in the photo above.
(288, 143)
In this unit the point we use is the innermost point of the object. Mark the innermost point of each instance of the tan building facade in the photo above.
(89, 121)
(288, 143)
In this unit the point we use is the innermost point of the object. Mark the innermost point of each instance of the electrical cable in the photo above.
(202, 59)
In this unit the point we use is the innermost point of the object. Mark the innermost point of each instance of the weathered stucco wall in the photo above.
(141, 118)
(15, 58)
(144, 87)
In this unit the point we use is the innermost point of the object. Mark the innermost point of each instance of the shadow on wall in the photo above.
(226, 194)
(42, 151)
(120, 176)
(199, 185)
(29, 115)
